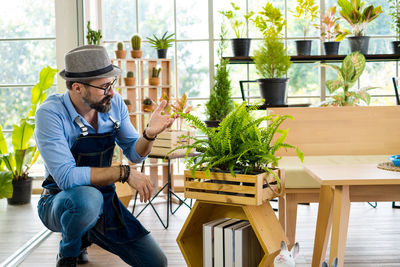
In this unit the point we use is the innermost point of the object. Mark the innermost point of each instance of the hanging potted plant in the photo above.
(162, 44)
(358, 17)
(120, 52)
(220, 102)
(136, 42)
(17, 163)
(306, 12)
(331, 34)
(394, 12)
(239, 24)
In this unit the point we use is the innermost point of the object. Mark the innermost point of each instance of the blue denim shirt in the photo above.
(56, 132)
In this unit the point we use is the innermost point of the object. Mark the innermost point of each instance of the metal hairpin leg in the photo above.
(373, 205)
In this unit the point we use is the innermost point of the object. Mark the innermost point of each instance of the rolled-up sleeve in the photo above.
(53, 146)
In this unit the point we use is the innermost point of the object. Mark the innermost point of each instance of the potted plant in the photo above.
(93, 37)
(347, 75)
(147, 105)
(220, 103)
(155, 76)
(239, 24)
(269, 21)
(358, 17)
(162, 44)
(394, 12)
(130, 79)
(240, 146)
(306, 12)
(331, 34)
(120, 52)
(128, 105)
(136, 42)
(16, 163)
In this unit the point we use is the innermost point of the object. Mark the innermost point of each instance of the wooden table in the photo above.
(341, 185)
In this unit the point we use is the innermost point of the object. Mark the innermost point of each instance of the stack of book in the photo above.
(230, 243)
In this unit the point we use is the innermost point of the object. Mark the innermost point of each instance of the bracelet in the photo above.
(127, 172)
(148, 138)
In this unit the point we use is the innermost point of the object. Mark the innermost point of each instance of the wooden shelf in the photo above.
(140, 59)
(145, 86)
(319, 58)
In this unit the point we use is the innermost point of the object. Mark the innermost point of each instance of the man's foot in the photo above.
(83, 257)
(66, 262)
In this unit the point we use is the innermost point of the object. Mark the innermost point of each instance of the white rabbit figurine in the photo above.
(286, 258)
(334, 263)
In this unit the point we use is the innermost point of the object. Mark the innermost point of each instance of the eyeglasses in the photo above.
(106, 88)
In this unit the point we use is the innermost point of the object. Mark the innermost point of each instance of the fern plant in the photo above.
(240, 144)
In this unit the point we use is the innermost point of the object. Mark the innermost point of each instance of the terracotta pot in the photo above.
(121, 54)
(154, 80)
(136, 53)
(148, 108)
(129, 81)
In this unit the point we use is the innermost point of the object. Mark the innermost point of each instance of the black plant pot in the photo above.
(212, 124)
(22, 191)
(395, 47)
(359, 43)
(303, 47)
(162, 53)
(273, 91)
(241, 47)
(331, 48)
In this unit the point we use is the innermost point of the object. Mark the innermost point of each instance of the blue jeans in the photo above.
(74, 213)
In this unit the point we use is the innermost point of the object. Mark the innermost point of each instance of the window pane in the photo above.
(295, 26)
(219, 18)
(191, 19)
(27, 19)
(303, 80)
(379, 74)
(119, 20)
(25, 59)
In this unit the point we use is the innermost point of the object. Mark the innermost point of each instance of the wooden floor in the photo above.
(373, 238)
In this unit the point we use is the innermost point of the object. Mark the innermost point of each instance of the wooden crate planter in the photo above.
(239, 189)
(168, 140)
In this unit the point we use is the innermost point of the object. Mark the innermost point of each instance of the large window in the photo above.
(27, 44)
(194, 60)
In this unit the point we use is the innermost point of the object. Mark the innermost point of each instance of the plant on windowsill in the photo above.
(120, 53)
(220, 103)
(15, 165)
(162, 44)
(239, 24)
(358, 17)
(130, 79)
(155, 76)
(394, 12)
(242, 146)
(136, 42)
(306, 12)
(347, 75)
(93, 37)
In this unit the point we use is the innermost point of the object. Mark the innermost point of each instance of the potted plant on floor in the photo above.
(358, 17)
(220, 103)
(155, 76)
(162, 44)
(136, 42)
(130, 79)
(306, 12)
(331, 34)
(271, 59)
(347, 75)
(17, 163)
(394, 12)
(120, 53)
(241, 147)
(239, 24)
(93, 37)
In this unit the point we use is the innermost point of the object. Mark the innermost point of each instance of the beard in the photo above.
(103, 106)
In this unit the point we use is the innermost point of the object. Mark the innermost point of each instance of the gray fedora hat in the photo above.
(88, 62)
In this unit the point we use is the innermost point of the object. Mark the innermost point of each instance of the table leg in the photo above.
(341, 213)
(324, 220)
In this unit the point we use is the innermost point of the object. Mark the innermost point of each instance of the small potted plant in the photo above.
(136, 42)
(347, 75)
(128, 105)
(394, 12)
(331, 34)
(239, 23)
(147, 105)
(93, 37)
(155, 76)
(120, 52)
(358, 17)
(129, 79)
(306, 12)
(162, 44)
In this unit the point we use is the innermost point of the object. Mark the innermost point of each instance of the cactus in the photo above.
(130, 74)
(156, 72)
(147, 101)
(136, 42)
(120, 46)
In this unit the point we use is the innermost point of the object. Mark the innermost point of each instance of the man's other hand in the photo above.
(142, 184)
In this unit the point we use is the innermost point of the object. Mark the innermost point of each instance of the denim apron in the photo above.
(96, 150)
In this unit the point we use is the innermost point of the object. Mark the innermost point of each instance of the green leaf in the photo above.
(6, 188)
(22, 134)
(3, 144)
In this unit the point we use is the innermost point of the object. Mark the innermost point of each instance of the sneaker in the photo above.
(66, 262)
(83, 258)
